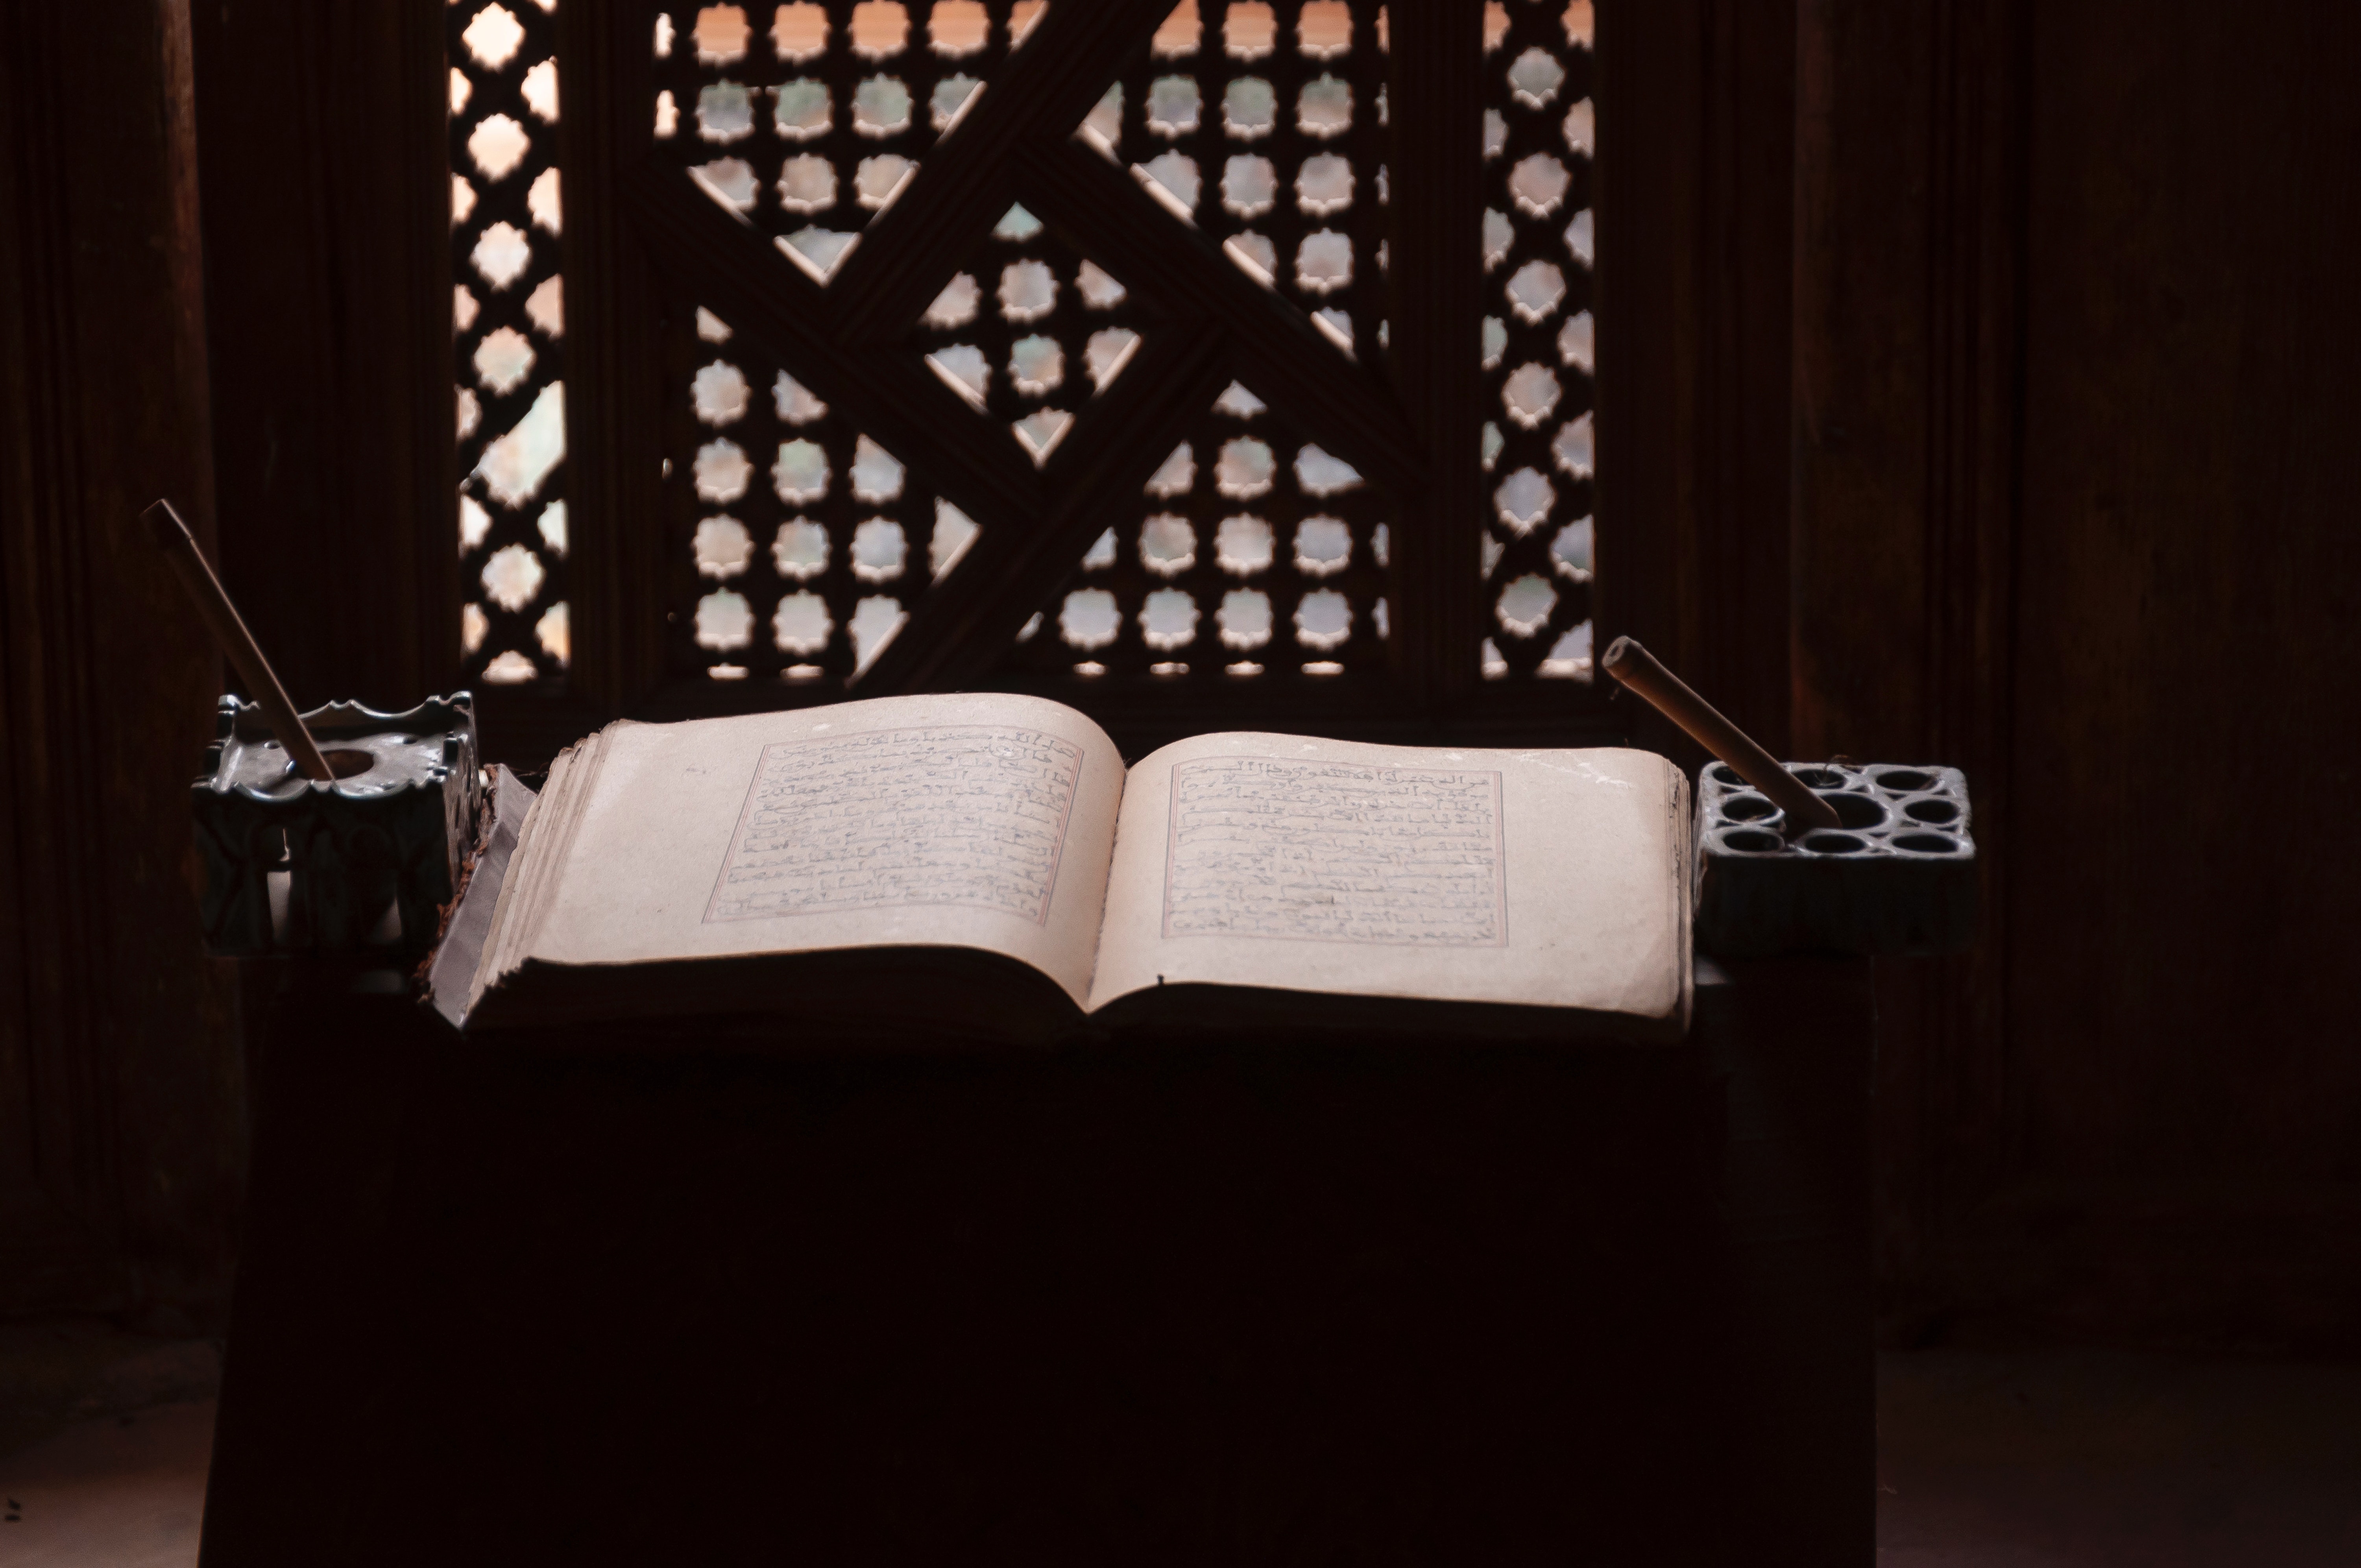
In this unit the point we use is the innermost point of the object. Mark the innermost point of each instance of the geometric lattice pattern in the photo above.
(1253, 556)
(807, 120)
(1264, 124)
(1539, 245)
(508, 324)
(1253, 136)
(800, 543)
(1028, 333)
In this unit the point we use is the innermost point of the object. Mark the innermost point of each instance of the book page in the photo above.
(1297, 849)
(973, 815)
(979, 821)
(1551, 878)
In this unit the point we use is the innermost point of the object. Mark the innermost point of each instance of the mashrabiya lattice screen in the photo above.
(1539, 243)
(800, 542)
(1251, 549)
(809, 129)
(509, 324)
(1263, 124)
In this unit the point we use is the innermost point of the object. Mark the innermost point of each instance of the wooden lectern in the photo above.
(1184, 1300)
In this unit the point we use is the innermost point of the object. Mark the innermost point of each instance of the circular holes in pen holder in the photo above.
(1822, 778)
(1831, 843)
(1903, 781)
(1753, 841)
(1857, 810)
(1926, 843)
(1933, 810)
(1723, 773)
(1748, 807)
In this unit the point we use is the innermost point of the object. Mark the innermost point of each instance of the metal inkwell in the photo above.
(360, 862)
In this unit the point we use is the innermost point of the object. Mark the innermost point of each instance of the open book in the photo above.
(985, 865)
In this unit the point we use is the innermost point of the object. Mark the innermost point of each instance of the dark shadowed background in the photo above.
(1984, 379)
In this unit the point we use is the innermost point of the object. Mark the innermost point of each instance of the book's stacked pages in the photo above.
(987, 866)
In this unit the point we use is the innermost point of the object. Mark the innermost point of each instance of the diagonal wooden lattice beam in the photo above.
(1097, 475)
(1102, 213)
(889, 394)
(848, 339)
(1035, 525)
(911, 249)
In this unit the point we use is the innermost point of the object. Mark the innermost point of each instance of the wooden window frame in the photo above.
(1695, 103)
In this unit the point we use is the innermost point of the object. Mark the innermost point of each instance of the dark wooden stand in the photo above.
(1170, 1300)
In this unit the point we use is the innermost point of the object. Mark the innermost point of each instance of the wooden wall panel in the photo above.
(328, 289)
(2073, 509)
(1735, 622)
(1696, 200)
(1909, 243)
(121, 1132)
(2181, 1005)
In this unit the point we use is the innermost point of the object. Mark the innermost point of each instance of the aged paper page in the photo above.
(979, 821)
(1544, 877)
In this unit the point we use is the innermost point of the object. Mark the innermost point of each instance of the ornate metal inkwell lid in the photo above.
(360, 862)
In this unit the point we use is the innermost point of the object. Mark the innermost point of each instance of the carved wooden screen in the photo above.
(509, 320)
(1225, 363)
(1540, 244)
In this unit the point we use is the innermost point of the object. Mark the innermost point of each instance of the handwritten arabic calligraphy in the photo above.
(954, 814)
(1335, 852)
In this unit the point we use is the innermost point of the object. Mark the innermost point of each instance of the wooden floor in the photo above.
(2056, 1459)
(124, 1491)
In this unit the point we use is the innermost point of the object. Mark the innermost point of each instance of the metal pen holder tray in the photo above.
(1898, 877)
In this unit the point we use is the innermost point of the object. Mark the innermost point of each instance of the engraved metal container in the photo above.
(361, 864)
(1897, 878)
